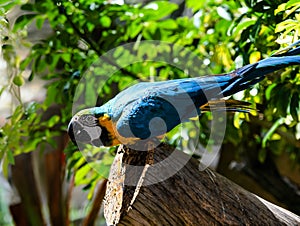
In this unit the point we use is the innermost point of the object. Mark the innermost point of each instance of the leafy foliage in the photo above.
(82, 31)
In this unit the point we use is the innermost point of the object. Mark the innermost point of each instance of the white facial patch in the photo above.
(94, 132)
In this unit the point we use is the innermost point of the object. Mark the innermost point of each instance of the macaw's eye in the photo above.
(88, 120)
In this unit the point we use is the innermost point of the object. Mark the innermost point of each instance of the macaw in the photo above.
(150, 109)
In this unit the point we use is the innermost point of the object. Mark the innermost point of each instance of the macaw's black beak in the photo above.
(71, 133)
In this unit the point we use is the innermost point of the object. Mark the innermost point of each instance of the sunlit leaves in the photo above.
(223, 56)
(89, 166)
(156, 10)
(24, 132)
(195, 5)
(290, 26)
(254, 57)
(288, 8)
(81, 31)
(8, 5)
(23, 21)
(236, 30)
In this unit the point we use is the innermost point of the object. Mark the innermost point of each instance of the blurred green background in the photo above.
(46, 48)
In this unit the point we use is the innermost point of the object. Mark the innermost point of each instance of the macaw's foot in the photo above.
(151, 145)
(144, 145)
(150, 157)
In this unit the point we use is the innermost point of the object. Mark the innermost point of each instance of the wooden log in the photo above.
(178, 190)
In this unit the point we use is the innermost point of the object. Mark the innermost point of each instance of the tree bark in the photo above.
(175, 189)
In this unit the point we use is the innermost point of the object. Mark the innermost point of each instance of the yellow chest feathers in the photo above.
(114, 137)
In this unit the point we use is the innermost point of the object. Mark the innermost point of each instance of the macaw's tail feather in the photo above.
(251, 74)
(227, 105)
(289, 51)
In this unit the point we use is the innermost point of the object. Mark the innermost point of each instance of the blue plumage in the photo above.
(164, 105)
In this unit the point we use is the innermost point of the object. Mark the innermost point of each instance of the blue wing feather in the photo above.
(173, 101)
(176, 101)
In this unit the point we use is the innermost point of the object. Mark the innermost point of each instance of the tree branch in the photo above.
(193, 195)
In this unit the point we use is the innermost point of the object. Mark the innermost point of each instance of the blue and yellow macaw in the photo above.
(150, 109)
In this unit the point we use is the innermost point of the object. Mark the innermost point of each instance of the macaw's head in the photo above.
(90, 127)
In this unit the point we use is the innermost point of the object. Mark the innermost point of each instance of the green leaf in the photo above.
(134, 29)
(144, 52)
(2, 89)
(31, 76)
(290, 11)
(280, 8)
(195, 5)
(3, 2)
(25, 62)
(66, 57)
(5, 165)
(158, 9)
(168, 24)
(55, 59)
(105, 21)
(242, 26)
(268, 135)
(17, 115)
(51, 94)
(292, 3)
(285, 25)
(23, 21)
(269, 91)
(53, 120)
(82, 173)
(6, 6)
(294, 106)
(40, 21)
(101, 168)
(90, 26)
(32, 145)
(10, 157)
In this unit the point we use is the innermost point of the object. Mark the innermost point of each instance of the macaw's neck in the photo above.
(109, 132)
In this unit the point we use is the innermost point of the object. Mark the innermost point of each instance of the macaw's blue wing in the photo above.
(156, 108)
(152, 109)
(147, 118)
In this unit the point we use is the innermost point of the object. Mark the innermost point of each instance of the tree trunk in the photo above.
(24, 180)
(178, 190)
